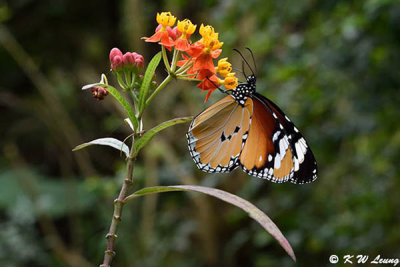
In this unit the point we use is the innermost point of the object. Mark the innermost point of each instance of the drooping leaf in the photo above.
(129, 122)
(148, 76)
(150, 134)
(252, 210)
(128, 108)
(112, 142)
(114, 92)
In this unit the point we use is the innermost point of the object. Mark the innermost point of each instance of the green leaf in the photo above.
(112, 142)
(148, 76)
(114, 92)
(252, 210)
(128, 108)
(150, 134)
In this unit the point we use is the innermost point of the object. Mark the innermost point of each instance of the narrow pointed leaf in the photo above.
(148, 76)
(112, 142)
(129, 123)
(150, 134)
(252, 210)
(88, 86)
(114, 92)
(128, 108)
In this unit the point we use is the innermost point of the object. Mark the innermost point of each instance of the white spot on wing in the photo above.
(275, 136)
(277, 162)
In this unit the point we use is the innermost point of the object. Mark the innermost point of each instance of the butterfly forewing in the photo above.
(305, 165)
(217, 135)
(266, 153)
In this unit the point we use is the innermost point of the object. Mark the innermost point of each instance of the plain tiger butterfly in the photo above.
(248, 130)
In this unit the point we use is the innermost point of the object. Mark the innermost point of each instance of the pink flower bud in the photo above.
(115, 52)
(172, 32)
(117, 62)
(139, 61)
(129, 59)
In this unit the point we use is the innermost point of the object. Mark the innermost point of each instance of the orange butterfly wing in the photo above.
(267, 153)
(217, 135)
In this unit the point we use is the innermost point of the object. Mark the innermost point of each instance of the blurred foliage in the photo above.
(333, 67)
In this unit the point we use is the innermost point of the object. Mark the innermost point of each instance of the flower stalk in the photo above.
(190, 62)
(119, 203)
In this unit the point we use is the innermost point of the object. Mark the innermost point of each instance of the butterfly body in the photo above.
(248, 130)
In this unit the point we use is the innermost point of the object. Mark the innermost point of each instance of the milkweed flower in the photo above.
(230, 81)
(206, 49)
(99, 92)
(224, 68)
(186, 28)
(210, 82)
(164, 31)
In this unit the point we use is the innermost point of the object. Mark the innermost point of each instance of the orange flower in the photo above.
(164, 33)
(186, 28)
(206, 49)
(187, 60)
(210, 82)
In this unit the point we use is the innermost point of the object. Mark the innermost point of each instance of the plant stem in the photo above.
(119, 203)
(165, 59)
(184, 68)
(158, 89)
(175, 60)
(188, 79)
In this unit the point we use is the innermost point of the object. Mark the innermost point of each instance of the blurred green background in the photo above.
(332, 66)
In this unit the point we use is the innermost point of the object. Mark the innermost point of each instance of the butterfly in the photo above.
(248, 130)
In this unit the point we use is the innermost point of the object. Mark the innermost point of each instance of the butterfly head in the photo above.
(245, 90)
(251, 80)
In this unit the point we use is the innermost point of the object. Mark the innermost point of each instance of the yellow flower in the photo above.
(212, 42)
(166, 19)
(186, 27)
(224, 67)
(231, 82)
(206, 31)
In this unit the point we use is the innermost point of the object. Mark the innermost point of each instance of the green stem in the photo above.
(184, 68)
(134, 97)
(186, 75)
(165, 59)
(119, 203)
(133, 80)
(175, 60)
(120, 81)
(158, 89)
(128, 79)
(188, 79)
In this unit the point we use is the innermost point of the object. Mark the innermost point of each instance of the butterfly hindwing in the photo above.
(266, 153)
(305, 165)
(217, 135)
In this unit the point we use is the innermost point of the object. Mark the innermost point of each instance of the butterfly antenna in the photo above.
(247, 63)
(219, 88)
(244, 73)
(252, 56)
(240, 71)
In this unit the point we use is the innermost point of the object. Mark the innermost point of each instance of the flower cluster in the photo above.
(130, 64)
(198, 57)
(129, 60)
(98, 92)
